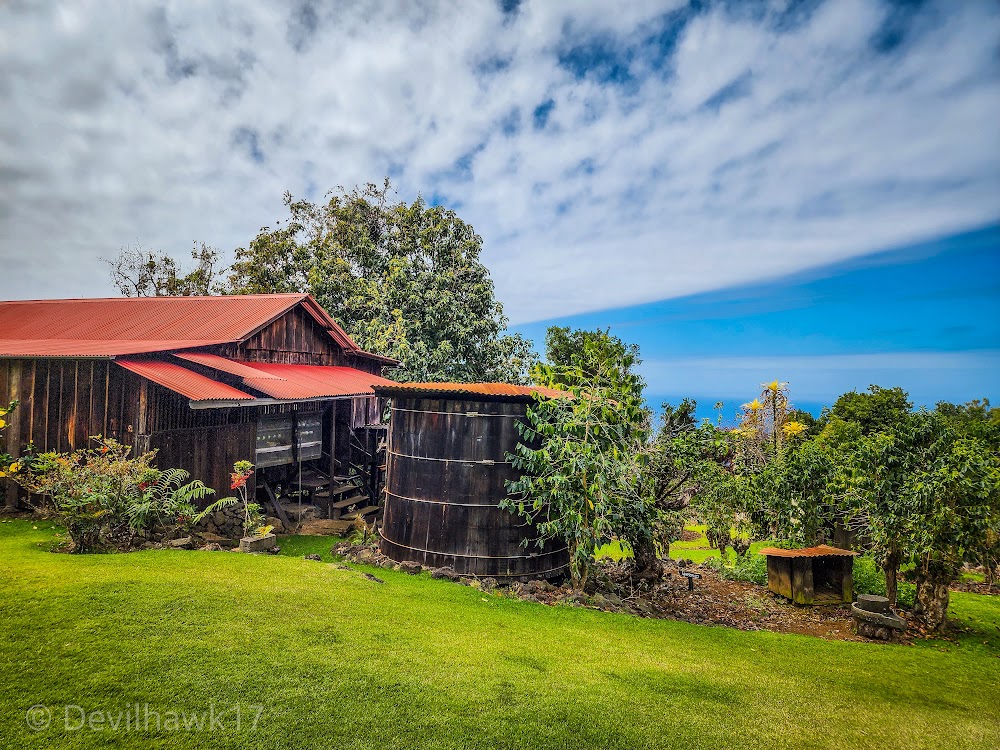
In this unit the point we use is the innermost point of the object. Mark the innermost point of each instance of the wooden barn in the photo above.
(207, 381)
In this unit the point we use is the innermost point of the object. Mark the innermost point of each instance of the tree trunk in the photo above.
(931, 605)
(890, 568)
(647, 565)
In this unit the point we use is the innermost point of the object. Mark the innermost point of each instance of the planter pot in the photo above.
(258, 543)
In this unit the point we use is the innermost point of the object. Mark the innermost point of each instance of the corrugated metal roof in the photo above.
(821, 550)
(132, 325)
(224, 365)
(312, 381)
(183, 381)
(102, 349)
(506, 391)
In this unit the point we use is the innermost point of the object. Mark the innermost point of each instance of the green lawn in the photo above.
(696, 550)
(340, 661)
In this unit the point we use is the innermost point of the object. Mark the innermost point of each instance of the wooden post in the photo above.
(802, 580)
(141, 425)
(13, 434)
(331, 441)
(848, 579)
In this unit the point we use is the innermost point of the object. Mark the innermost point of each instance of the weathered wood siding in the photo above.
(64, 401)
(446, 475)
(296, 339)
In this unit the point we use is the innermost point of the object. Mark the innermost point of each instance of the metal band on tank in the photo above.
(472, 414)
(440, 502)
(483, 462)
(476, 557)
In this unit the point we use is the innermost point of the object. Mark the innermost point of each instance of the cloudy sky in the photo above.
(610, 159)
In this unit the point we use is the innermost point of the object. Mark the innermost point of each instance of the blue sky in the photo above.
(714, 179)
(925, 317)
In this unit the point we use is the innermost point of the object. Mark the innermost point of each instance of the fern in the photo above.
(224, 502)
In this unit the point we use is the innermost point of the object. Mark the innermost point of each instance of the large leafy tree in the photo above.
(404, 279)
(582, 458)
(952, 504)
(877, 410)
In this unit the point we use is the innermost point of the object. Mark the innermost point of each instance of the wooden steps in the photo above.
(337, 491)
(366, 511)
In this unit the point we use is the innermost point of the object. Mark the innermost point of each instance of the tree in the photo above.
(582, 458)
(136, 272)
(877, 410)
(404, 279)
(952, 505)
(682, 455)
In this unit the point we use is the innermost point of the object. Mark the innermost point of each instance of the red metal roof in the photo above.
(183, 381)
(224, 365)
(134, 325)
(311, 381)
(500, 390)
(821, 550)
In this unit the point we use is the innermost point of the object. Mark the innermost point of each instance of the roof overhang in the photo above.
(261, 383)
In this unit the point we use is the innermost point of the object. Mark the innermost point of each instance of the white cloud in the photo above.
(142, 124)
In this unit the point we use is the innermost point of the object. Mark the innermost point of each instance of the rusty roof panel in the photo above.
(94, 348)
(822, 550)
(312, 381)
(507, 391)
(240, 369)
(131, 325)
(183, 381)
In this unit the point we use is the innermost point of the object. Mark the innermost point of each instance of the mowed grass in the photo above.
(341, 661)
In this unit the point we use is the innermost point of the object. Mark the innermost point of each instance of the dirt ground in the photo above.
(747, 606)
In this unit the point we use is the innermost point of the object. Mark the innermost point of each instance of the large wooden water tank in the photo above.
(445, 479)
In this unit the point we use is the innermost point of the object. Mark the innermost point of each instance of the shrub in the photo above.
(104, 498)
(749, 567)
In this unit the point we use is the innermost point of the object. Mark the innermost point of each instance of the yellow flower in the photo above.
(2, 474)
(14, 467)
(754, 405)
(793, 428)
(2, 424)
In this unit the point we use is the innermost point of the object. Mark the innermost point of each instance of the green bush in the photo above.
(106, 499)
(869, 579)
(750, 567)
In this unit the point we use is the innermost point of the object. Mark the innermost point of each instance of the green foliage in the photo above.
(877, 410)
(803, 485)
(253, 514)
(748, 567)
(869, 579)
(404, 280)
(6, 460)
(105, 498)
(582, 457)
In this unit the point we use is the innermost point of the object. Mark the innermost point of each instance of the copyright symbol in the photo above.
(38, 717)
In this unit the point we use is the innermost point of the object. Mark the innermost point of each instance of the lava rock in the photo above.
(446, 574)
